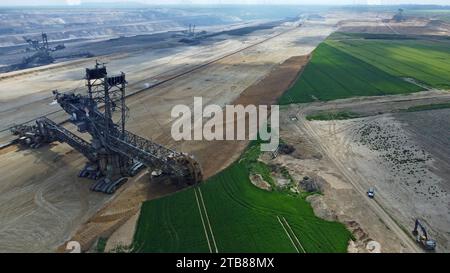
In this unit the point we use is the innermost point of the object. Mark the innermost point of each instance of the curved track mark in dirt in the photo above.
(41, 202)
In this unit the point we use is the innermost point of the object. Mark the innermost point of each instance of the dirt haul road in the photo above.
(354, 180)
(220, 83)
(393, 205)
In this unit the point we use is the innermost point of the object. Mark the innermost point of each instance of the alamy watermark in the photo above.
(232, 122)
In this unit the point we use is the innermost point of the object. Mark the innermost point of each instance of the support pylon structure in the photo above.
(113, 153)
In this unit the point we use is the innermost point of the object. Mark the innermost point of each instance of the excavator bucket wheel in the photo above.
(195, 171)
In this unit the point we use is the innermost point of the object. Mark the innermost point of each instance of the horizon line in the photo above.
(217, 4)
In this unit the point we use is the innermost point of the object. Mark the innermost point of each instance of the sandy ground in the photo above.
(404, 156)
(45, 205)
(32, 97)
(344, 197)
(123, 236)
(221, 82)
(41, 205)
(224, 153)
(340, 200)
(412, 26)
(401, 170)
(378, 104)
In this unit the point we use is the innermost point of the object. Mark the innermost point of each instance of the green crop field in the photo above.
(428, 107)
(348, 65)
(425, 61)
(239, 217)
(342, 115)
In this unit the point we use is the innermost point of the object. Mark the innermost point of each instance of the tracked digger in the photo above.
(422, 237)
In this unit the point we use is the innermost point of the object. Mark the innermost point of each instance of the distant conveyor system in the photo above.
(113, 153)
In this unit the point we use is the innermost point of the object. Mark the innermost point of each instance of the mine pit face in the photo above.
(43, 202)
(42, 183)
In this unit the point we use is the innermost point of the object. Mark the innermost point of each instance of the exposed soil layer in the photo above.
(339, 201)
(264, 92)
(35, 189)
(403, 155)
(213, 155)
(39, 206)
(256, 75)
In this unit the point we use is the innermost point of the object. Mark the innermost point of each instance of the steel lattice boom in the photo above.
(113, 153)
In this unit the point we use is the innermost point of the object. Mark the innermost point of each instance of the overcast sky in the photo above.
(300, 2)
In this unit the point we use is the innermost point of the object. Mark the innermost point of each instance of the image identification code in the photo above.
(206, 264)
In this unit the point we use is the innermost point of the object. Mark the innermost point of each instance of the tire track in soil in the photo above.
(203, 221)
(355, 179)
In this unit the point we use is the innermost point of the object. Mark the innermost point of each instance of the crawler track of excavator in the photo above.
(114, 154)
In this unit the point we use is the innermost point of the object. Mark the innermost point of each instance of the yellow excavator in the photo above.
(422, 238)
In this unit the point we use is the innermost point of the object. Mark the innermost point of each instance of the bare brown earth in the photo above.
(221, 82)
(214, 156)
(379, 104)
(344, 197)
(249, 76)
(114, 214)
(380, 153)
(264, 92)
(217, 155)
(41, 199)
(403, 155)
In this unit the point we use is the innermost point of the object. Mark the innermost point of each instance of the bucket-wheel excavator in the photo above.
(113, 153)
